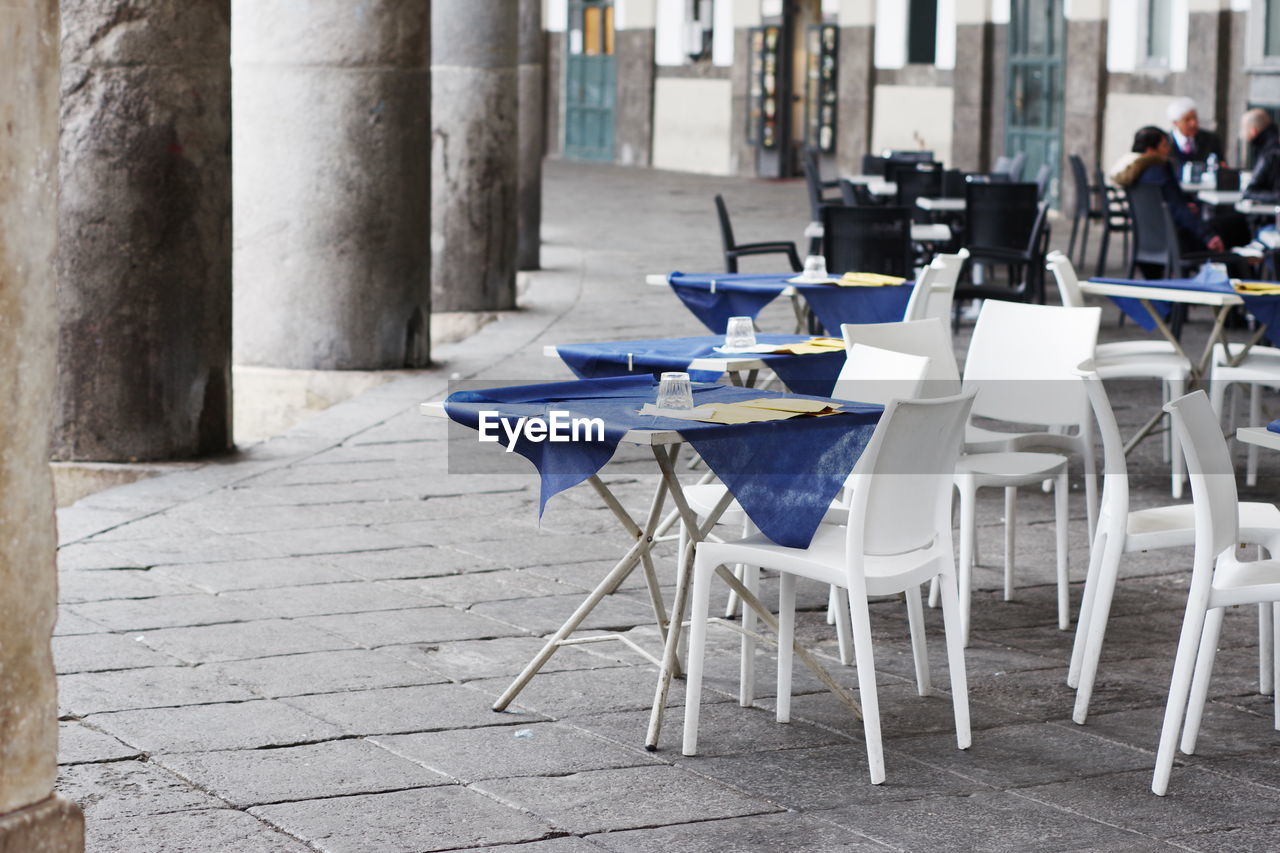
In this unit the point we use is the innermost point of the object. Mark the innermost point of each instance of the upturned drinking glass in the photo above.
(740, 334)
(815, 266)
(675, 392)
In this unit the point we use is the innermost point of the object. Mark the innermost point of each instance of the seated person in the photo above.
(1262, 136)
(1148, 163)
(1190, 143)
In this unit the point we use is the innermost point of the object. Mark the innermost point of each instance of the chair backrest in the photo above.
(874, 375)
(1015, 168)
(902, 486)
(1213, 480)
(929, 338)
(867, 239)
(953, 181)
(813, 182)
(1114, 507)
(1151, 243)
(1042, 180)
(1002, 165)
(908, 156)
(855, 195)
(1024, 357)
(1001, 215)
(873, 164)
(1080, 184)
(1064, 273)
(915, 180)
(726, 230)
(935, 299)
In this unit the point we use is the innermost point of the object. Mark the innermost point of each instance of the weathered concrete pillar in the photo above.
(332, 183)
(1085, 94)
(971, 83)
(474, 155)
(855, 84)
(144, 265)
(31, 816)
(532, 80)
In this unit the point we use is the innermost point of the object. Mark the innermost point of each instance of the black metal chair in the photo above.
(817, 187)
(911, 156)
(915, 180)
(1086, 209)
(1015, 169)
(873, 164)
(1113, 210)
(733, 250)
(867, 239)
(1006, 225)
(856, 195)
(1042, 180)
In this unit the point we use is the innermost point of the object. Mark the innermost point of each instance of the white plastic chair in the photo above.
(934, 295)
(898, 536)
(1022, 360)
(1123, 532)
(930, 337)
(869, 375)
(1137, 359)
(1218, 579)
(1259, 369)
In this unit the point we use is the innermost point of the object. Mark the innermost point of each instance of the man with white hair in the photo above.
(1191, 144)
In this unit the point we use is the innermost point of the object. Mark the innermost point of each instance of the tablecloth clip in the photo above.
(630, 369)
(713, 285)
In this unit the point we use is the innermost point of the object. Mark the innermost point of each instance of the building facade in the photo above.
(741, 87)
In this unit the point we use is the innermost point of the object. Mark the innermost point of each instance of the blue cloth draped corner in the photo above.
(1274, 426)
(745, 295)
(1263, 307)
(784, 473)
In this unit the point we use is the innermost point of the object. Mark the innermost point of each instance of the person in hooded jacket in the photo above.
(1262, 136)
(1148, 163)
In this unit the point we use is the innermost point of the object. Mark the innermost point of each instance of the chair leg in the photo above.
(1010, 536)
(1166, 438)
(731, 606)
(1096, 630)
(861, 619)
(1179, 688)
(1060, 519)
(747, 664)
(919, 649)
(1266, 648)
(967, 525)
(1275, 659)
(786, 642)
(1101, 268)
(955, 657)
(1084, 245)
(697, 653)
(933, 593)
(1090, 483)
(1200, 680)
(844, 635)
(1071, 242)
(1255, 419)
(1084, 617)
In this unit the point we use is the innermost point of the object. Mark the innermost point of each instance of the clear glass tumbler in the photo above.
(740, 334)
(815, 267)
(675, 392)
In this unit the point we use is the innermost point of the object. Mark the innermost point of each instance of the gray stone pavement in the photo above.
(296, 648)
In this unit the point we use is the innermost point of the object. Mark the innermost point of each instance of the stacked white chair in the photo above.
(936, 288)
(897, 536)
(1259, 369)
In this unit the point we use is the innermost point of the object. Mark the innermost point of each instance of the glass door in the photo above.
(1033, 108)
(589, 93)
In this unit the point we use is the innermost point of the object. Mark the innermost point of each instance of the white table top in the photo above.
(435, 409)
(921, 232)
(1223, 197)
(1251, 207)
(1260, 436)
(1161, 294)
(875, 184)
(944, 205)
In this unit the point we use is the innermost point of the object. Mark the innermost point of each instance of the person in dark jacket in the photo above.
(1148, 163)
(1189, 142)
(1263, 138)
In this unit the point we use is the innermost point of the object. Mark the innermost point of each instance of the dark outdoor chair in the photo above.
(1002, 165)
(1086, 208)
(911, 156)
(873, 164)
(867, 239)
(1042, 180)
(856, 195)
(1113, 210)
(733, 251)
(915, 180)
(817, 187)
(1019, 163)
(1155, 238)
(953, 181)
(1006, 225)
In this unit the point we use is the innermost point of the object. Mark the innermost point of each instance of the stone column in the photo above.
(332, 183)
(532, 81)
(855, 84)
(32, 817)
(474, 155)
(971, 118)
(144, 266)
(1085, 94)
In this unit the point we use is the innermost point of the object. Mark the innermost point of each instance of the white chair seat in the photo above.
(824, 560)
(1126, 349)
(979, 439)
(1157, 365)
(1010, 468)
(1172, 526)
(1245, 583)
(703, 498)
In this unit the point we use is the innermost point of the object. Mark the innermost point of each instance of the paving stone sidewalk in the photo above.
(296, 648)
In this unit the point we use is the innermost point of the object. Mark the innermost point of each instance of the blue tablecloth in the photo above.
(814, 373)
(1263, 307)
(783, 473)
(1274, 426)
(745, 295)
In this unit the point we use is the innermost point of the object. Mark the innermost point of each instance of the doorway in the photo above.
(1033, 107)
(792, 87)
(589, 88)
